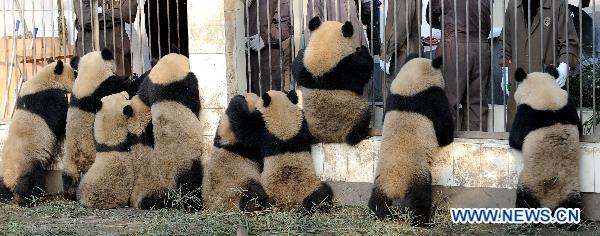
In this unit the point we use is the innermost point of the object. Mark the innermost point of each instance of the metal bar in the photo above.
(282, 75)
(594, 95)
(467, 111)
(43, 32)
(169, 27)
(456, 64)
(141, 37)
(419, 12)
(248, 50)
(481, 117)
(178, 34)
(580, 60)
(34, 38)
(269, 43)
(53, 27)
(159, 41)
(112, 22)
(149, 29)
(554, 33)
(430, 30)
(292, 42)
(123, 34)
(529, 36)
(8, 75)
(104, 24)
(492, 65)
(259, 62)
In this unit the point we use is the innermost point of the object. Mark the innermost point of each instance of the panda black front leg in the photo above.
(418, 201)
(360, 130)
(379, 203)
(320, 200)
(30, 184)
(526, 198)
(254, 198)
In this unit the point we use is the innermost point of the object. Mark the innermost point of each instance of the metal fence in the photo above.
(37, 32)
(477, 38)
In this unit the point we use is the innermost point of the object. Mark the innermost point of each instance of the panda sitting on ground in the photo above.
(417, 122)
(109, 181)
(171, 92)
(279, 129)
(232, 176)
(96, 79)
(546, 130)
(37, 131)
(332, 73)
(132, 163)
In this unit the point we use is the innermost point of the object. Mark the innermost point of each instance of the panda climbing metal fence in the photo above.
(482, 42)
(38, 32)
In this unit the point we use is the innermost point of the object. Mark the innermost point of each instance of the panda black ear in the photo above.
(153, 62)
(314, 23)
(128, 111)
(266, 100)
(552, 71)
(520, 75)
(347, 29)
(438, 62)
(75, 62)
(293, 96)
(107, 55)
(58, 69)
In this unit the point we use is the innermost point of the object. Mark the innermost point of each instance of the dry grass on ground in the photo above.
(67, 218)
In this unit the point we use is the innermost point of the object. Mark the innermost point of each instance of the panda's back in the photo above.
(551, 163)
(554, 149)
(332, 114)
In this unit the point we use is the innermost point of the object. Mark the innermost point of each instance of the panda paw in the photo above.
(254, 198)
(320, 200)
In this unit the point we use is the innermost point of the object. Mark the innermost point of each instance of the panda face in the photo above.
(330, 42)
(110, 125)
(283, 118)
(224, 131)
(93, 69)
(170, 68)
(418, 75)
(540, 91)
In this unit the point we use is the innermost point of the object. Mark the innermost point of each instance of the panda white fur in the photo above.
(232, 176)
(37, 130)
(96, 79)
(332, 72)
(546, 130)
(279, 129)
(110, 180)
(417, 122)
(172, 94)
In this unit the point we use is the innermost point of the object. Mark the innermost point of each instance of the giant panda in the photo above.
(417, 122)
(110, 180)
(332, 73)
(546, 130)
(171, 92)
(37, 130)
(96, 79)
(278, 127)
(232, 176)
